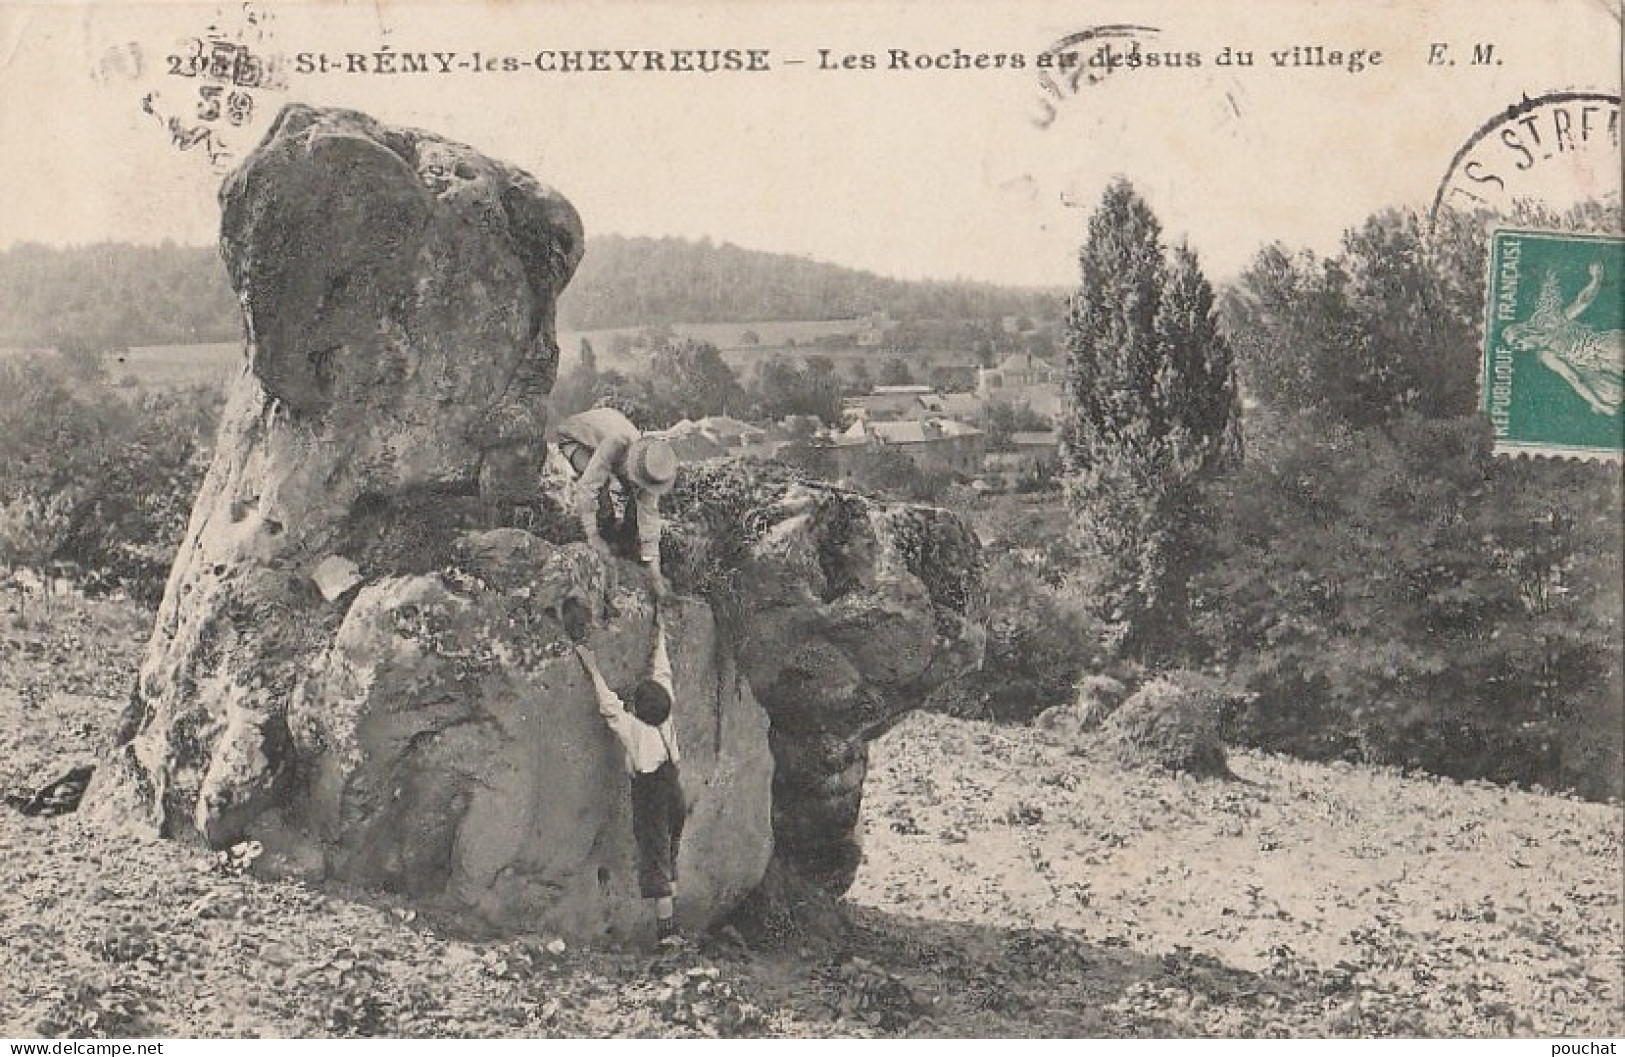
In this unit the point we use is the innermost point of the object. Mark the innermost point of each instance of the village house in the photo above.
(965, 407)
(1022, 380)
(1031, 455)
(938, 444)
(888, 403)
(716, 436)
(1030, 450)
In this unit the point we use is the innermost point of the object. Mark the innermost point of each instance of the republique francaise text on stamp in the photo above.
(1554, 344)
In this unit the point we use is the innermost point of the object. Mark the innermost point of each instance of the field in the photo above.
(725, 336)
(1015, 885)
(920, 361)
(165, 366)
(775, 338)
(176, 366)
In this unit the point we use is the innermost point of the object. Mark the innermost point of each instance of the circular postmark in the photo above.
(1557, 149)
(209, 92)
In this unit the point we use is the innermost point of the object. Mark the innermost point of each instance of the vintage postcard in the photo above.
(800, 519)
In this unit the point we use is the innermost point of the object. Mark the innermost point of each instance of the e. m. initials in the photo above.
(1440, 54)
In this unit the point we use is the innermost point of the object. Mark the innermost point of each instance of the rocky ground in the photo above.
(1013, 885)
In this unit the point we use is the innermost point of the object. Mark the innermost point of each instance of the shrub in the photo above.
(1398, 596)
(95, 478)
(1172, 723)
(1040, 640)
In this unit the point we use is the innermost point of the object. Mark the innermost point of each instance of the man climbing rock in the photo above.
(602, 445)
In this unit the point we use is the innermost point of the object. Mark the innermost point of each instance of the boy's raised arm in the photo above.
(609, 705)
(660, 659)
(660, 672)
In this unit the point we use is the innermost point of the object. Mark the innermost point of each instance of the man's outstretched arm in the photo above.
(591, 485)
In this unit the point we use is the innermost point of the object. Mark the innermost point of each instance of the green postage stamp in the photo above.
(1554, 343)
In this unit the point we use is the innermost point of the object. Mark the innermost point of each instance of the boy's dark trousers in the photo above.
(657, 825)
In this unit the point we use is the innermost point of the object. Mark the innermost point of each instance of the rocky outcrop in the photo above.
(844, 615)
(1096, 697)
(361, 658)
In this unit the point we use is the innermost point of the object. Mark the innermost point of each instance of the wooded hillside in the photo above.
(113, 295)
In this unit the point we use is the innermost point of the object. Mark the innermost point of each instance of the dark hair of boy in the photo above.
(651, 703)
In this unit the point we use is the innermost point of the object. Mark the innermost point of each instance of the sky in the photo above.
(938, 173)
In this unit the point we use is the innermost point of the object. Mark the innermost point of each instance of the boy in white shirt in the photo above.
(650, 744)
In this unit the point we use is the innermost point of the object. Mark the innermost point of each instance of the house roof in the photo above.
(917, 431)
(902, 390)
(1024, 361)
(1035, 438)
(954, 404)
(695, 446)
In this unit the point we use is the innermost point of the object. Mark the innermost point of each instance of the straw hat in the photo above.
(651, 464)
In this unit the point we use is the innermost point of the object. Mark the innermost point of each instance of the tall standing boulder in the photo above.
(361, 658)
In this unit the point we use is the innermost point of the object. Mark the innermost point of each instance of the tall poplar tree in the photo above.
(1150, 410)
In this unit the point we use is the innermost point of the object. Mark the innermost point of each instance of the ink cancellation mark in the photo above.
(1554, 344)
(1082, 59)
(1561, 141)
(213, 85)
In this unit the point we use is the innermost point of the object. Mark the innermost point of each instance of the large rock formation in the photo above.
(844, 615)
(361, 660)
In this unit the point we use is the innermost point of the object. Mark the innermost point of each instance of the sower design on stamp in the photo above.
(1555, 343)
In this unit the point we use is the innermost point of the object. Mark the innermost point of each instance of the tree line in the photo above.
(684, 378)
(115, 295)
(635, 281)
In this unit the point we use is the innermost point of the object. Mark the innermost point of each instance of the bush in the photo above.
(1171, 723)
(1040, 640)
(96, 478)
(1390, 591)
(1398, 596)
